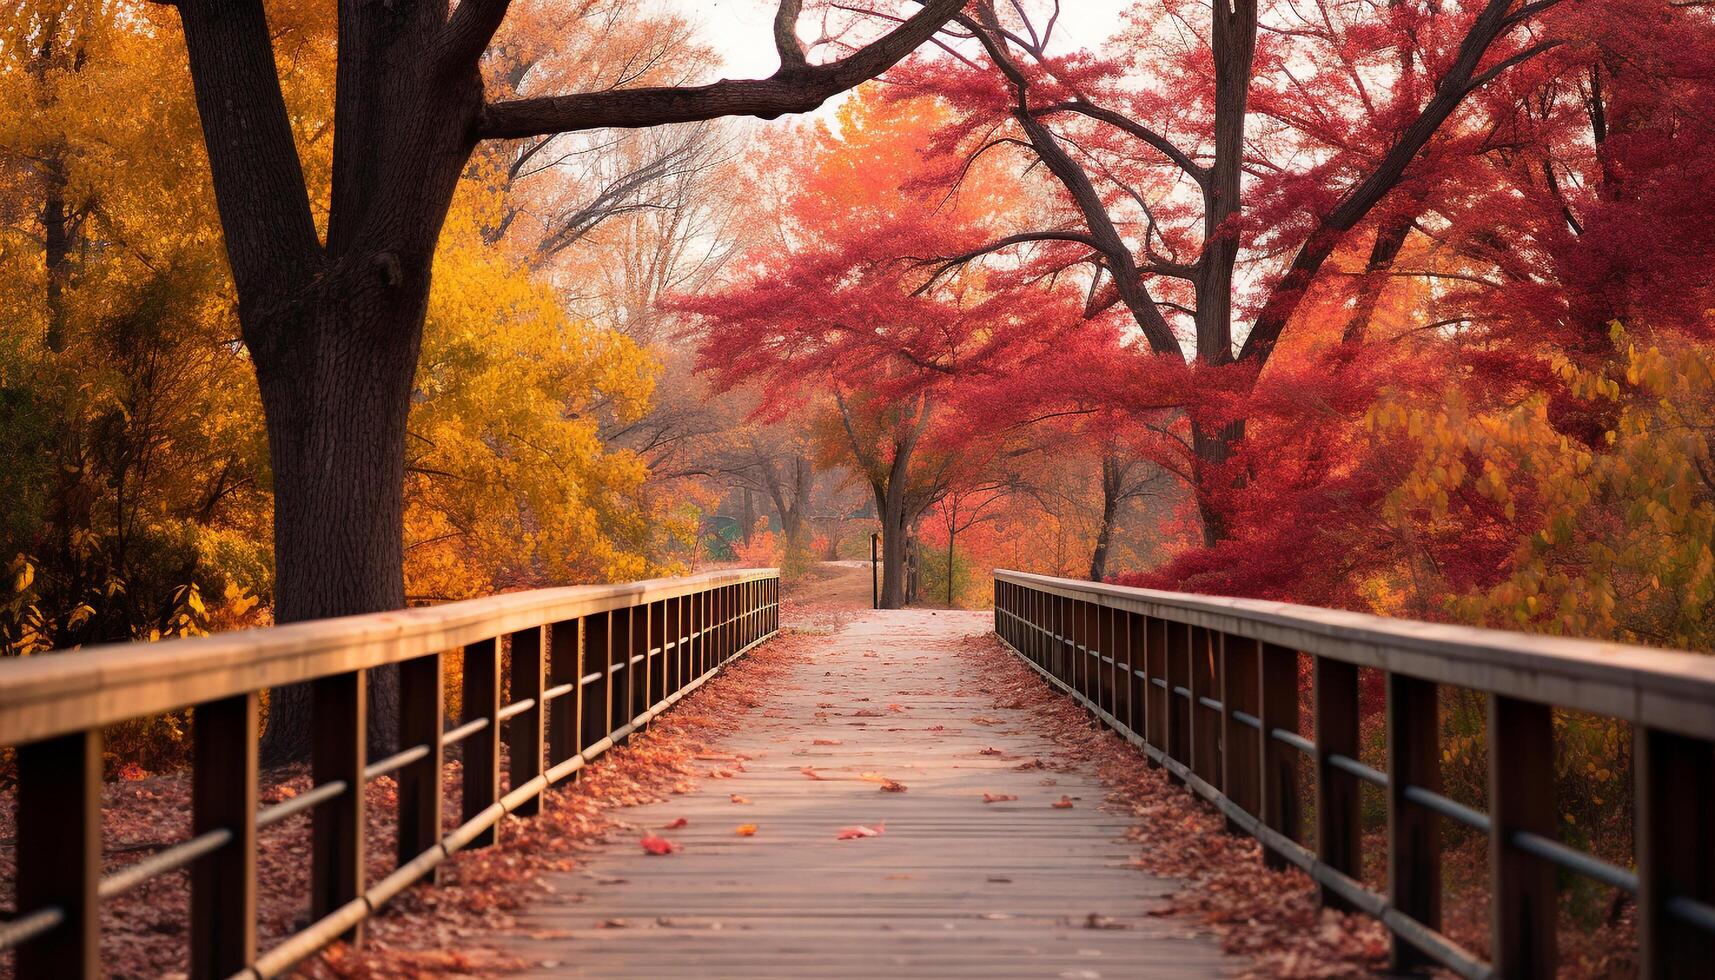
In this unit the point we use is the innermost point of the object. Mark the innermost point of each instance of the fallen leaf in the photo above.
(1098, 921)
(892, 786)
(826, 741)
(739, 799)
(854, 833)
(658, 845)
(998, 797)
(991, 750)
(675, 823)
(809, 773)
(1063, 803)
(746, 830)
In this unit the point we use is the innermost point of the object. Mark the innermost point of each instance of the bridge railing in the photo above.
(588, 666)
(1208, 688)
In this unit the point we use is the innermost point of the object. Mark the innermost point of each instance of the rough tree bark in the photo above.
(335, 328)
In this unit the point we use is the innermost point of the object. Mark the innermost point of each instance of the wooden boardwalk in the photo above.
(954, 887)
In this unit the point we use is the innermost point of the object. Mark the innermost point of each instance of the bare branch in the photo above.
(786, 91)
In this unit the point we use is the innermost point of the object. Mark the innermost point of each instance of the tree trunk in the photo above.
(1104, 540)
(335, 398)
(1212, 448)
(893, 543)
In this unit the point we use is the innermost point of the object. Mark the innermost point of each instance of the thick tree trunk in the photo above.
(894, 537)
(335, 396)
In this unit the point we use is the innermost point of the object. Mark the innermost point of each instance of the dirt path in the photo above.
(953, 887)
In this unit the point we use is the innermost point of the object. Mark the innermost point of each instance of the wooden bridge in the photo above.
(1207, 688)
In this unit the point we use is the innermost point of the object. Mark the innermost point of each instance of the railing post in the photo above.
(340, 716)
(1414, 834)
(671, 632)
(524, 730)
(481, 695)
(1111, 648)
(1125, 691)
(1521, 798)
(1205, 722)
(1282, 809)
(224, 795)
(619, 667)
(1137, 628)
(565, 666)
(1338, 823)
(658, 689)
(1676, 853)
(1158, 698)
(1241, 747)
(422, 715)
(597, 668)
(1178, 670)
(59, 853)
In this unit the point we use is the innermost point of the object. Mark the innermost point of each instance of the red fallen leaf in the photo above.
(991, 750)
(746, 830)
(809, 773)
(866, 713)
(826, 741)
(936, 728)
(891, 786)
(675, 823)
(1063, 803)
(998, 797)
(739, 799)
(896, 707)
(658, 845)
(860, 831)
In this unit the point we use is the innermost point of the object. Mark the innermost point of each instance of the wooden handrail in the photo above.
(1207, 687)
(650, 644)
(1671, 690)
(60, 693)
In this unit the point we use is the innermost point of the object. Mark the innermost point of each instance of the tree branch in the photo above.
(1180, 158)
(786, 91)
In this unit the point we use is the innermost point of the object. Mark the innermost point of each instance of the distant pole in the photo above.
(874, 576)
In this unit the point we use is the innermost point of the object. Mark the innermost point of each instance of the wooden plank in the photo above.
(1521, 798)
(1205, 721)
(525, 731)
(481, 751)
(59, 854)
(565, 666)
(1155, 656)
(597, 702)
(340, 712)
(954, 888)
(1241, 690)
(1414, 833)
(1178, 745)
(1338, 824)
(224, 797)
(1676, 859)
(1282, 807)
(422, 716)
(41, 697)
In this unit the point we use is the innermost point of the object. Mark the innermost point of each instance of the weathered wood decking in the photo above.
(955, 887)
